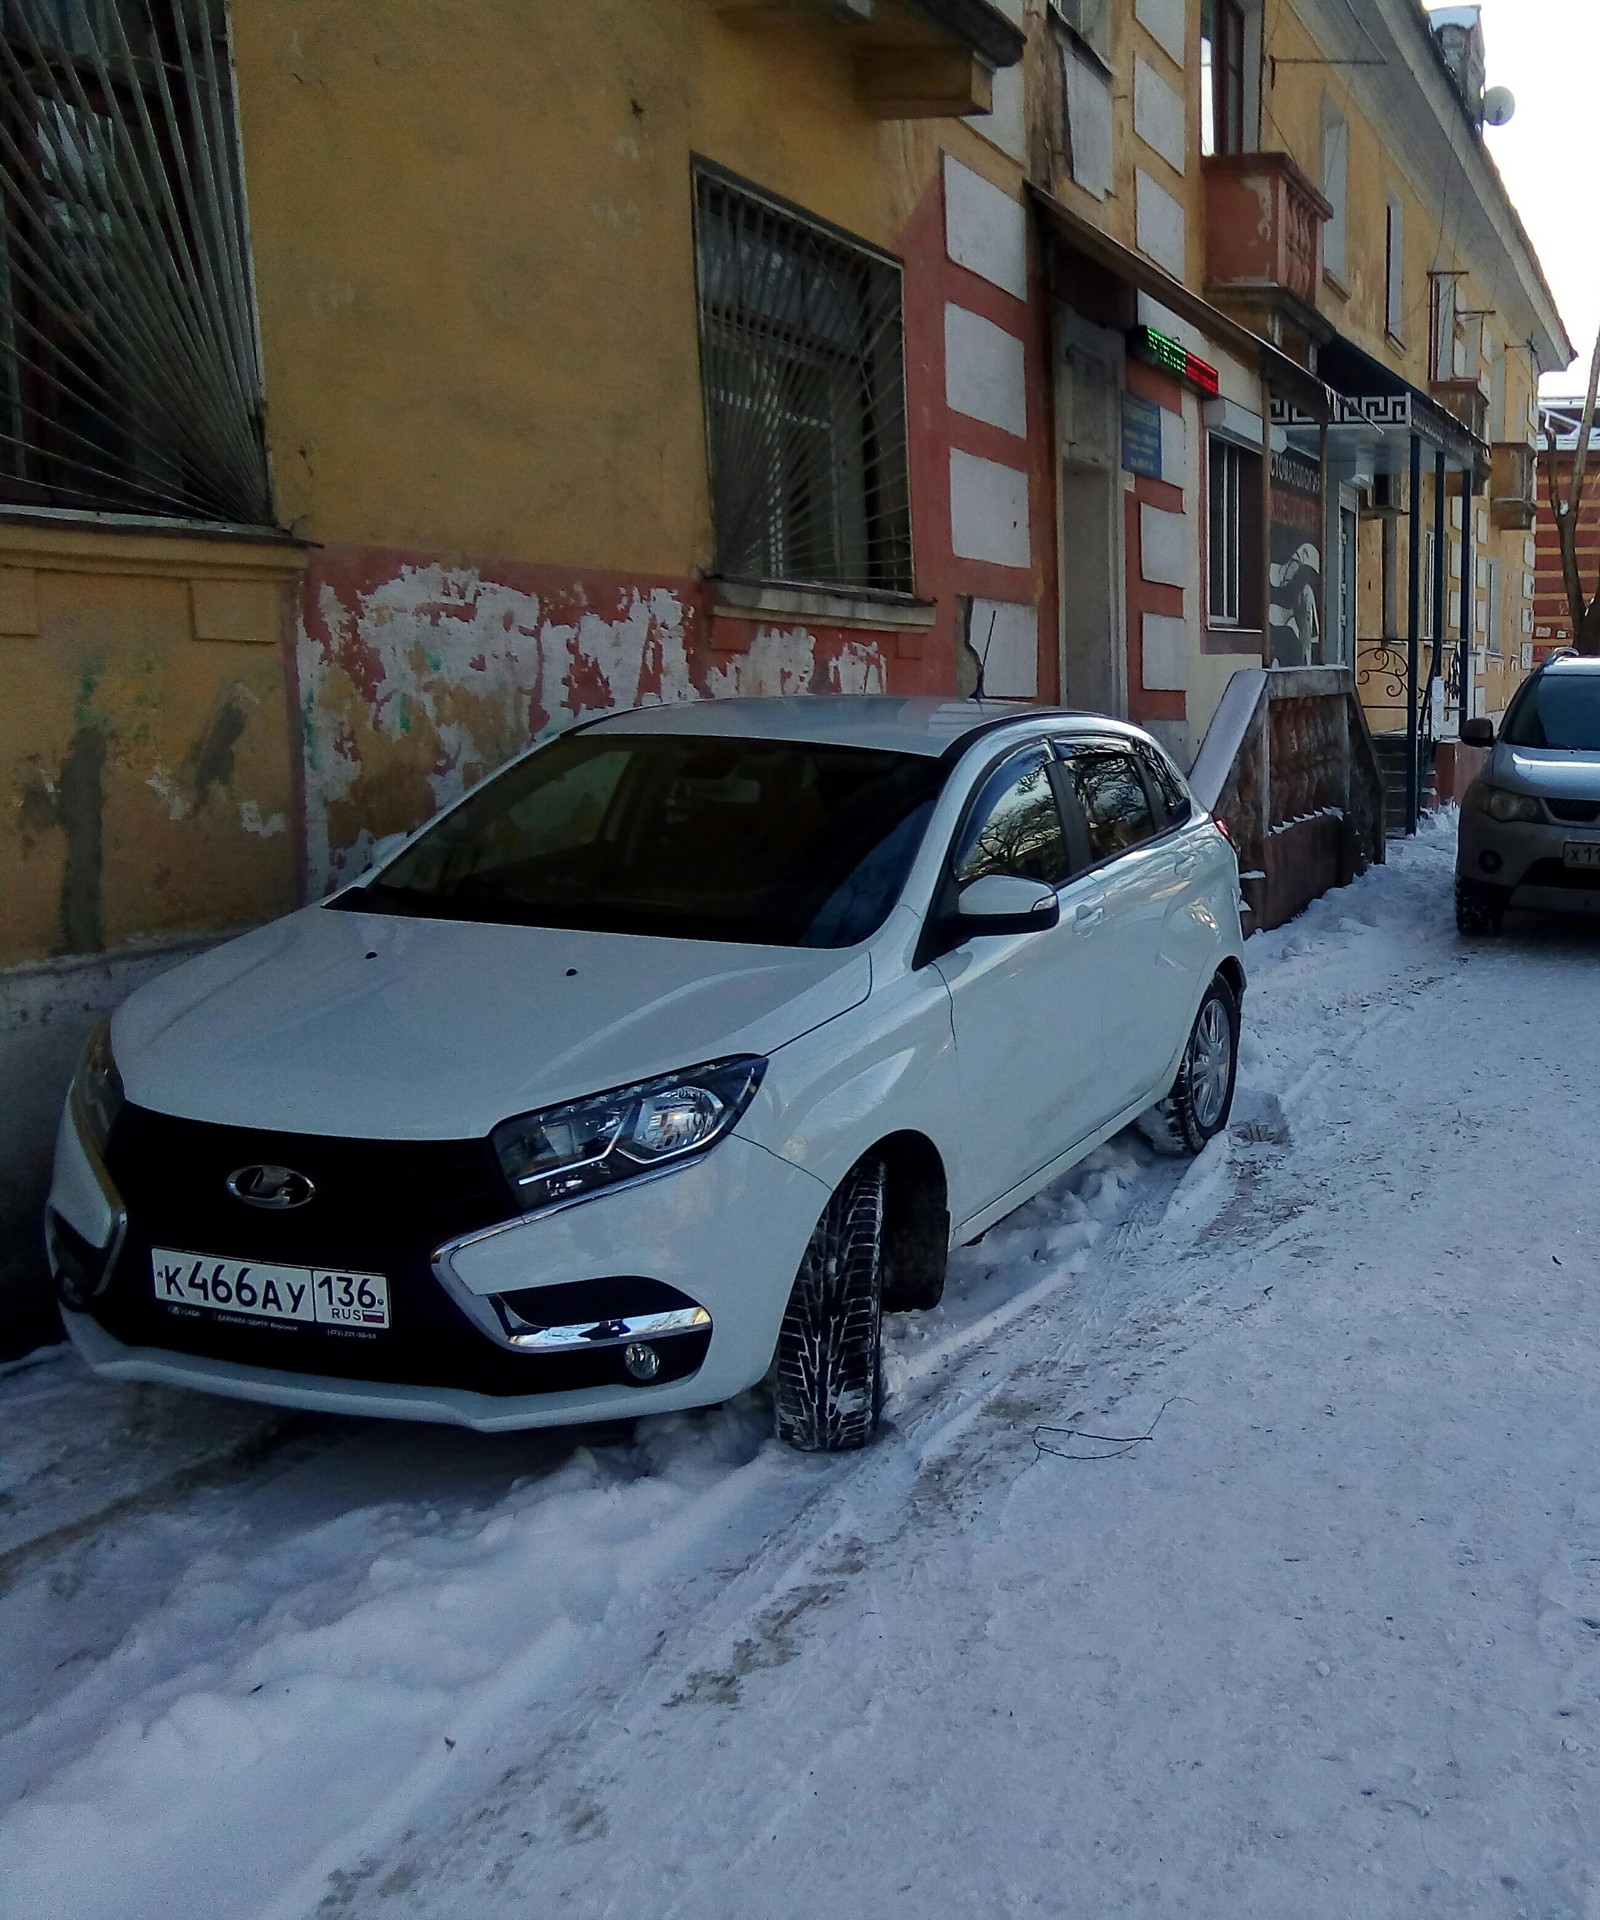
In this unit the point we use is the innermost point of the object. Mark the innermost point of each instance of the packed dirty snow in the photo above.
(1233, 1550)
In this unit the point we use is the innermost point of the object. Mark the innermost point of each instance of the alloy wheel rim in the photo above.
(1210, 1058)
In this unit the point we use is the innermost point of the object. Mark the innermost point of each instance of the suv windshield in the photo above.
(765, 842)
(1556, 710)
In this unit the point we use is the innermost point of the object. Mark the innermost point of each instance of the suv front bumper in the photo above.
(1524, 861)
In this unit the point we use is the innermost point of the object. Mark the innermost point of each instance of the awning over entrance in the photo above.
(1371, 416)
(1300, 388)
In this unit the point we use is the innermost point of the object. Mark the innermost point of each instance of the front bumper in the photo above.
(1525, 861)
(725, 1234)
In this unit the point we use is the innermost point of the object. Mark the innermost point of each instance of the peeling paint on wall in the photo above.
(417, 679)
(785, 660)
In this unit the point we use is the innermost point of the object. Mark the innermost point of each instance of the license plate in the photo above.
(1581, 853)
(316, 1294)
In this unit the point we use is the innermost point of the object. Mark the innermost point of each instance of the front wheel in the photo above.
(1479, 909)
(827, 1392)
(1197, 1108)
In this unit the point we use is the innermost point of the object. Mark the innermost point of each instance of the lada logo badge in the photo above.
(276, 1187)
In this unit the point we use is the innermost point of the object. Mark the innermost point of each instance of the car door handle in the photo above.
(1183, 866)
(1087, 918)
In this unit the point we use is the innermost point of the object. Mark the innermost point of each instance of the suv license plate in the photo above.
(1581, 853)
(316, 1294)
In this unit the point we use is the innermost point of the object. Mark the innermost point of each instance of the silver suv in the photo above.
(1530, 822)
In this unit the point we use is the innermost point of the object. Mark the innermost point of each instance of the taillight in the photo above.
(1223, 828)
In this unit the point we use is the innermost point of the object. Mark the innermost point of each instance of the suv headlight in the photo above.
(561, 1152)
(1501, 805)
(97, 1092)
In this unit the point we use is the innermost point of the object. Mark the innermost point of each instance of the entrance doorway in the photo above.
(1094, 654)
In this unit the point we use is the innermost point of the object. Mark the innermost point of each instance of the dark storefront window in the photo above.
(128, 367)
(803, 358)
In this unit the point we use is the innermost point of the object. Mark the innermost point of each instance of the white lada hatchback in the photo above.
(663, 1062)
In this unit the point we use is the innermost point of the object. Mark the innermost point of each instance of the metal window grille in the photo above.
(129, 367)
(802, 353)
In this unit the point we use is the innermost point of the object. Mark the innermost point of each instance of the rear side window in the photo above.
(1116, 807)
(1016, 826)
(1170, 790)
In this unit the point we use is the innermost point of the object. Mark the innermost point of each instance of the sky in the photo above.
(1536, 48)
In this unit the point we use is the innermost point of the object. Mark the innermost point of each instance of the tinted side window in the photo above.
(1164, 778)
(1116, 808)
(1015, 827)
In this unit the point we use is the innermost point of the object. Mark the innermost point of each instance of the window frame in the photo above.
(1394, 268)
(881, 458)
(1224, 67)
(84, 429)
(1336, 191)
(1246, 535)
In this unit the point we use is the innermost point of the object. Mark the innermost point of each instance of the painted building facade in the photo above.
(365, 416)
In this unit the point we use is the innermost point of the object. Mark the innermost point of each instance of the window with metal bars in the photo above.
(129, 371)
(802, 357)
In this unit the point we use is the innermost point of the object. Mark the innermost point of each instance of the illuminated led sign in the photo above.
(1161, 350)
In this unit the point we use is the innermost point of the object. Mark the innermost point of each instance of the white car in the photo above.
(663, 1062)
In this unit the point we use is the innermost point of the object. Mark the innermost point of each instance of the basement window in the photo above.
(129, 377)
(802, 356)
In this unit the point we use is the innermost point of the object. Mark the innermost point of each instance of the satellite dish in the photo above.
(1499, 103)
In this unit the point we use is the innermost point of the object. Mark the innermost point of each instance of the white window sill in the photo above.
(741, 600)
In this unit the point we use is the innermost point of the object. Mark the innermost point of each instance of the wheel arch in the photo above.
(1232, 971)
(916, 1216)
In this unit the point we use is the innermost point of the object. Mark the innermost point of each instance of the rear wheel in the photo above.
(1197, 1108)
(1479, 909)
(828, 1391)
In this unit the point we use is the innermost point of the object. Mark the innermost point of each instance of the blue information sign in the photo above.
(1141, 436)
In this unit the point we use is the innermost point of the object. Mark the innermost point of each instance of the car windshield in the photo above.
(765, 842)
(1557, 710)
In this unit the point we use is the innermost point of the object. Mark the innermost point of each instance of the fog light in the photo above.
(1489, 860)
(642, 1362)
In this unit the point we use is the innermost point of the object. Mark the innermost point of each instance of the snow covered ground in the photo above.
(1233, 1550)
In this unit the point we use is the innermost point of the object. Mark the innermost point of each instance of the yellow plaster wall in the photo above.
(145, 774)
(492, 349)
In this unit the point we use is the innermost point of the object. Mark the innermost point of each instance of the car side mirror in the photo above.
(1006, 903)
(1477, 733)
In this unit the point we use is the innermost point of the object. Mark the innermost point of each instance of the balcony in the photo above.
(1467, 400)
(1513, 500)
(1263, 233)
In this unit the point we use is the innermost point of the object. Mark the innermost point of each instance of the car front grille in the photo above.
(1576, 813)
(380, 1206)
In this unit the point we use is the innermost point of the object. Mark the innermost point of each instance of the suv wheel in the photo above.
(828, 1390)
(1197, 1108)
(1479, 909)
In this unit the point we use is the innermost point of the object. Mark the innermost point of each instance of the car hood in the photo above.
(1552, 770)
(385, 1028)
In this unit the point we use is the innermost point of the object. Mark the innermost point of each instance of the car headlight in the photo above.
(97, 1087)
(561, 1152)
(1501, 805)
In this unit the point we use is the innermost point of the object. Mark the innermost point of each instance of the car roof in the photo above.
(911, 725)
(1572, 663)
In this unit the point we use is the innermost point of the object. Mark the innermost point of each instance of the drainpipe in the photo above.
(1436, 587)
(1413, 639)
(1468, 565)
